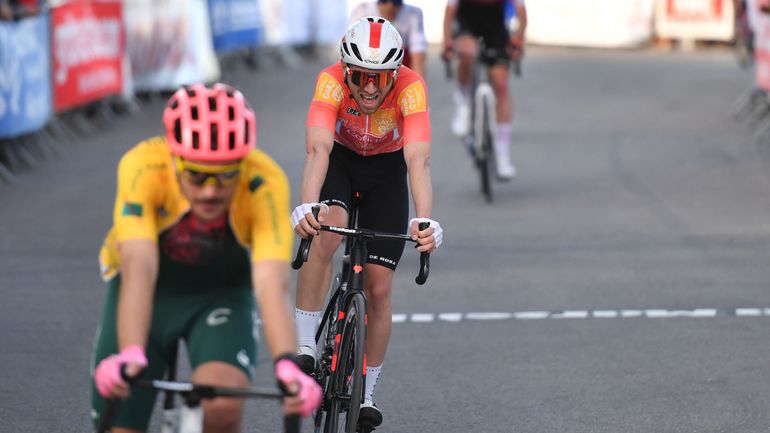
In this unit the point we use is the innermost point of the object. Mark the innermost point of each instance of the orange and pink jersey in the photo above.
(402, 118)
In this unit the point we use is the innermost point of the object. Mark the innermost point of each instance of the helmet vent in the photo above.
(178, 130)
(212, 103)
(231, 137)
(194, 113)
(391, 53)
(196, 141)
(231, 113)
(214, 137)
(246, 136)
(356, 52)
(175, 103)
(345, 47)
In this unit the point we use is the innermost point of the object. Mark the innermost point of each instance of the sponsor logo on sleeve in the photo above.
(255, 182)
(132, 209)
(328, 90)
(412, 99)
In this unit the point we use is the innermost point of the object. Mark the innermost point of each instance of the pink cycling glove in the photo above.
(107, 373)
(309, 392)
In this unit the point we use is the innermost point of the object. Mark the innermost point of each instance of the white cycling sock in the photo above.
(503, 142)
(463, 94)
(307, 323)
(372, 374)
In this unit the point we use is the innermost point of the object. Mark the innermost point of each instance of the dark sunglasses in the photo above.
(395, 2)
(362, 79)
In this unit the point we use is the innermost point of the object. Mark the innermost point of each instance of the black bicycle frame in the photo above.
(349, 288)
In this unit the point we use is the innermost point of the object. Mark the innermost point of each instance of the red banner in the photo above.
(703, 10)
(87, 45)
(712, 20)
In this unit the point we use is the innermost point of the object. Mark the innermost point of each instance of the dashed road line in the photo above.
(653, 313)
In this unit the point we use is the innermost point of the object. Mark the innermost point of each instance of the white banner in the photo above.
(589, 23)
(169, 43)
(301, 22)
(712, 20)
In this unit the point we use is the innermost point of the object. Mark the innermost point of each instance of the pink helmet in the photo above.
(372, 43)
(209, 124)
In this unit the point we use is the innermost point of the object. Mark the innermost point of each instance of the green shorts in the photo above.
(215, 326)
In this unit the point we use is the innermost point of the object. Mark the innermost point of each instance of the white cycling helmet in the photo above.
(372, 43)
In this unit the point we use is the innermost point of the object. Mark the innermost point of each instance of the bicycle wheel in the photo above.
(347, 380)
(326, 345)
(484, 154)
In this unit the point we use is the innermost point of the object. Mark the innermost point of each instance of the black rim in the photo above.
(355, 335)
(485, 155)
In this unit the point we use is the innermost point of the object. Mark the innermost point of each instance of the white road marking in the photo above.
(652, 313)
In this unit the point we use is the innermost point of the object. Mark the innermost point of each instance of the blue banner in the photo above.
(25, 76)
(235, 24)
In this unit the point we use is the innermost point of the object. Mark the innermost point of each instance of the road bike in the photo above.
(483, 121)
(188, 418)
(340, 366)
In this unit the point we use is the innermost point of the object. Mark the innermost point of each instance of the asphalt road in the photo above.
(618, 284)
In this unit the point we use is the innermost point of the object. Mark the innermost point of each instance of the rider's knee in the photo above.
(326, 245)
(379, 294)
(222, 415)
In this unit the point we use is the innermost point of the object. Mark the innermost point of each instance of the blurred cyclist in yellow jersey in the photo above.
(199, 229)
(464, 22)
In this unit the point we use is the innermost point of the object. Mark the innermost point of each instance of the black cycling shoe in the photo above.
(306, 360)
(369, 417)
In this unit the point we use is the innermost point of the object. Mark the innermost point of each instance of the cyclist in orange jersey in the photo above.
(368, 129)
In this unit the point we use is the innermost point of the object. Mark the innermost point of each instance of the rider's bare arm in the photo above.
(417, 156)
(319, 145)
(521, 13)
(271, 286)
(449, 18)
(139, 270)
(417, 61)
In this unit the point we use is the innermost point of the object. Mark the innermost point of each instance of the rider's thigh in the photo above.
(327, 243)
(466, 48)
(378, 282)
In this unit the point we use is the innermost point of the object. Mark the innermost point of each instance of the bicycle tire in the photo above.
(484, 157)
(325, 344)
(347, 381)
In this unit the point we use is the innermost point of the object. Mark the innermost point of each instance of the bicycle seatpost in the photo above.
(304, 245)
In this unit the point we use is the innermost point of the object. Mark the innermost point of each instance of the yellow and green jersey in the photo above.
(149, 204)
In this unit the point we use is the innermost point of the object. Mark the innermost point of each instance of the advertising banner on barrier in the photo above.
(169, 43)
(25, 76)
(235, 24)
(590, 23)
(712, 20)
(87, 50)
